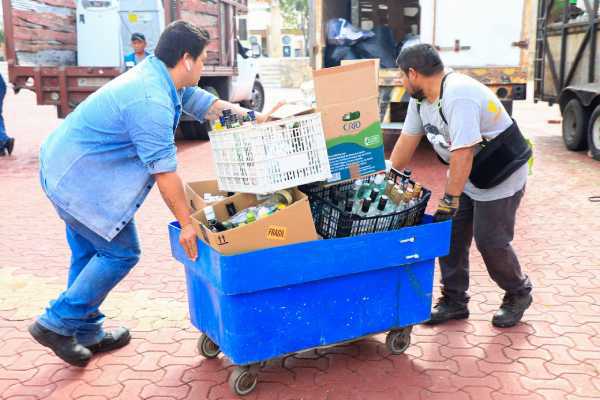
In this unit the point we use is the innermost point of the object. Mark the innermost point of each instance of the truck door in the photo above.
(478, 33)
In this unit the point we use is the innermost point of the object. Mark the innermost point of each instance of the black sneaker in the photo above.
(7, 146)
(65, 347)
(511, 311)
(113, 340)
(447, 309)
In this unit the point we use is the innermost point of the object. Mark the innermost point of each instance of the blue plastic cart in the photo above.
(264, 304)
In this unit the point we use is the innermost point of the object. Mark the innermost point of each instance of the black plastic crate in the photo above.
(332, 221)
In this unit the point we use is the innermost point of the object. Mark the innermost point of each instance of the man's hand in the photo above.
(171, 190)
(447, 208)
(187, 239)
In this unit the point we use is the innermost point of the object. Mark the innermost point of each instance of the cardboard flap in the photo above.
(291, 110)
(346, 83)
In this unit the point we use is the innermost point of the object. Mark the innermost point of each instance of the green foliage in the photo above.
(295, 12)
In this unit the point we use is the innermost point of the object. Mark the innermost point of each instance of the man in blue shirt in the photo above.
(138, 42)
(97, 168)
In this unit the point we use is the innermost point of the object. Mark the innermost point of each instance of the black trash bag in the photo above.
(340, 32)
(335, 54)
(382, 45)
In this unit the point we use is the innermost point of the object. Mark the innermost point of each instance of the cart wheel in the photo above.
(397, 341)
(242, 381)
(208, 348)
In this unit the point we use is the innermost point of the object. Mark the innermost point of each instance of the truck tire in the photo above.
(594, 134)
(574, 125)
(257, 103)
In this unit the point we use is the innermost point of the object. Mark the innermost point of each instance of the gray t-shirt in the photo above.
(473, 112)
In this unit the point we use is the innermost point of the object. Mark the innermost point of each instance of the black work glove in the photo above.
(447, 208)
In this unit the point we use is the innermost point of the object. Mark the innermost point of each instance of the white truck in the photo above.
(64, 50)
(486, 39)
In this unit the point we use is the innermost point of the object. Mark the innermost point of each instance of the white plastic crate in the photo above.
(272, 156)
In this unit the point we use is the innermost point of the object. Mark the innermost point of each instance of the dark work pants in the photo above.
(492, 224)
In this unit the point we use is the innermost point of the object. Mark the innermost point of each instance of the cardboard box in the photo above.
(293, 224)
(291, 110)
(348, 98)
(194, 193)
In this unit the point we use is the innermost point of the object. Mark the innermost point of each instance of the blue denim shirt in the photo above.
(131, 58)
(98, 165)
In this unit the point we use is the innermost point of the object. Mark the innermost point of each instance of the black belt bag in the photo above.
(500, 157)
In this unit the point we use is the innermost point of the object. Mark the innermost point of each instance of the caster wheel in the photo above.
(207, 348)
(397, 341)
(242, 381)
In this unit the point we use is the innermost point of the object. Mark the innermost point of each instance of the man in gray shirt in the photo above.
(457, 114)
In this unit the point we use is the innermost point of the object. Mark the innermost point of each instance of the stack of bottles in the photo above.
(275, 202)
(382, 196)
(229, 120)
(371, 205)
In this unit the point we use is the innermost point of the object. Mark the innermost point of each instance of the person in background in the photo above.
(98, 167)
(7, 143)
(138, 42)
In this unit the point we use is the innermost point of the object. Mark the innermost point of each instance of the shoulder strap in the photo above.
(442, 95)
(440, 104)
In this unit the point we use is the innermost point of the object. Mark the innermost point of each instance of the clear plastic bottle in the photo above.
(359, 225)
(365, 208)
(417, 190)
(374, 195)
(384, 208)
(356, 185)
(377, 183)
(211, 218)
(379, 210)
(363, 188)
(389, 187)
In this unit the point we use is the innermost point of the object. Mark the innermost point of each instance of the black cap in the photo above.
(382, 203)
(366, 205)
(138, 36)
(374, 194)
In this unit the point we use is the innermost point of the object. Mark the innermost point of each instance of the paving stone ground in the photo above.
(553, 354)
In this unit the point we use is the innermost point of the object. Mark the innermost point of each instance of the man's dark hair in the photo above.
(178, 38)
(423, 58)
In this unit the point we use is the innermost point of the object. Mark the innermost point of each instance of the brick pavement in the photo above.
(553, 355)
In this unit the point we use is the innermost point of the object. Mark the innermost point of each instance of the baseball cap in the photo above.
(138, 36)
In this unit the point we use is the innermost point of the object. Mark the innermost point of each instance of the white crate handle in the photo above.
(409, 240)
(412, 257)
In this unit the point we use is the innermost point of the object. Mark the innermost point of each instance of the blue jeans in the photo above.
(3, 135)
(97, 266)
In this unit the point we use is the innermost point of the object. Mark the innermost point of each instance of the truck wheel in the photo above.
(594, 134)
(574, 125)
(257, 103)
